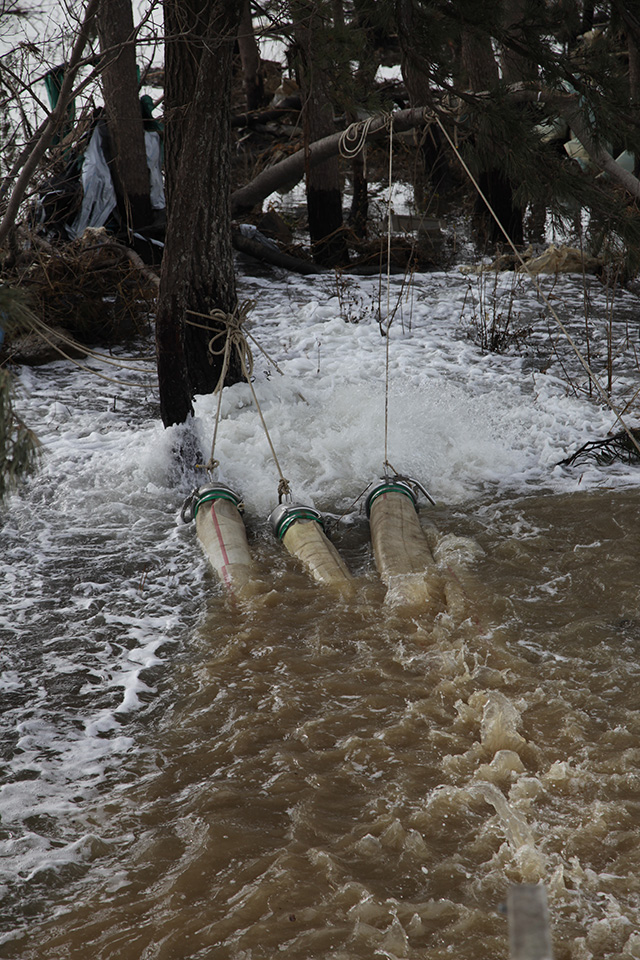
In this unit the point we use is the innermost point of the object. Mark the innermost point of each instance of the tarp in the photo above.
(98, 193)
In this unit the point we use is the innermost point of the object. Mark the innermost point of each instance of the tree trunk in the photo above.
(516, 67)
(359, 212)
(479, 67)
(634, 88)
(498, 191)
(197, 268)
(250, 59)
(588, 10)
(364, 84)
(324, 193)
(124, 117)
(432, 166)
(632, 30)
(481, 73)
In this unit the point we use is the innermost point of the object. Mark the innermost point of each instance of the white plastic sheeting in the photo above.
(153, 147)
(98, 193)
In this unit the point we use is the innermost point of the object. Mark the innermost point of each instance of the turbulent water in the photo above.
(184, 776)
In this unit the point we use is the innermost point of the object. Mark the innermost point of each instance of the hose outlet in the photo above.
(287, 513)
(406, 485)
(212, 491)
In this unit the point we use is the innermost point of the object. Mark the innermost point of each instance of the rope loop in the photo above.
(231, 330)
(354, 138)
(284, 489)
(233, 333)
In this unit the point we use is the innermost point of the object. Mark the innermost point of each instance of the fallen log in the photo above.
(289, 171)
(257, 248)
(574, 114)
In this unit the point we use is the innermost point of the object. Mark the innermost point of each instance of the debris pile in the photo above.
(93, 290)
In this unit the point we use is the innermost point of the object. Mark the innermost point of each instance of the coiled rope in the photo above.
(430, 115)
(236, 338)
(354, 138)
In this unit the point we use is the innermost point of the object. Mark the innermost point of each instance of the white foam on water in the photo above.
(99, 576)
(460, 421)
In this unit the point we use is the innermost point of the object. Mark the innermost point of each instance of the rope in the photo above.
(42, 330)
(389, 317)
(354, 138)
(603, 394)
(202, 326)
(234, 337)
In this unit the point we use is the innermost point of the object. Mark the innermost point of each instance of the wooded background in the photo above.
(513, 90)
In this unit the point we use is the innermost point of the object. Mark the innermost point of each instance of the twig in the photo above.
(54, 119)
(618, 447)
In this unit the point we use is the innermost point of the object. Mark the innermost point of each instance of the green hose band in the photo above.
(294, 516)
(215, 495)
(390, 488)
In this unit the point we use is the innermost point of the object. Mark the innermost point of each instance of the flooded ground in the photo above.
(189, 777)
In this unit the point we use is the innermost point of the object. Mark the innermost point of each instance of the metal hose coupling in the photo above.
(287, 513)
(399, 484)
(211, 491)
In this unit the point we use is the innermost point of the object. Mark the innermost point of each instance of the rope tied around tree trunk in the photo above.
(236, 338)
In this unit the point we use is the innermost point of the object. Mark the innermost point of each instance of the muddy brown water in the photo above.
(340, 779)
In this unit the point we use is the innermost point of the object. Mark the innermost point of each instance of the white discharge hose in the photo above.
(300, 529)
(400, 548)
(223, 537)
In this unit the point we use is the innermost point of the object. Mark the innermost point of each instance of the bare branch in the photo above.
(54, 119)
